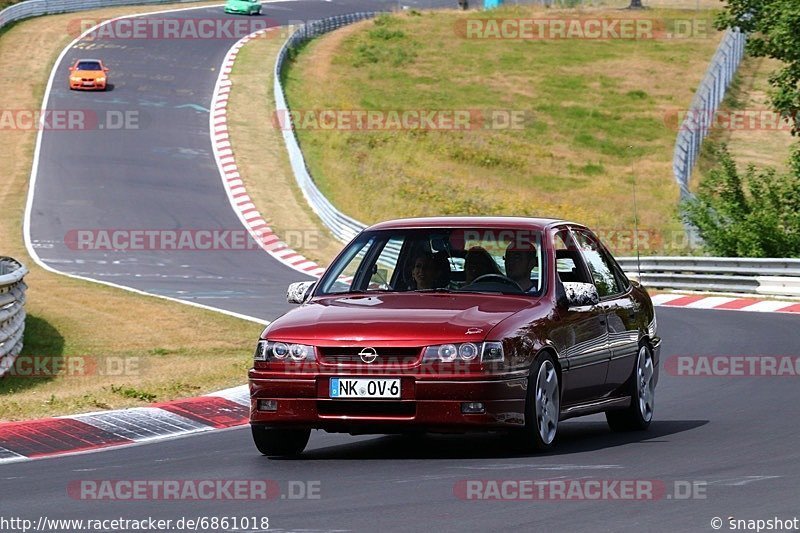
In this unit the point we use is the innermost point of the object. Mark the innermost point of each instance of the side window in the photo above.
(569, 263)
(599, 265)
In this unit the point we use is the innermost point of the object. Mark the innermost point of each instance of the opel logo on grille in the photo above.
(368, 355)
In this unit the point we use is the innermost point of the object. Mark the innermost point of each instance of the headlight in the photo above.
(283, 351)
(101, 80)
(466, 351)
(492, 351)
(75, 78)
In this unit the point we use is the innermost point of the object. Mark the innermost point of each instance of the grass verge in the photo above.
(171, 350)
(596, 114)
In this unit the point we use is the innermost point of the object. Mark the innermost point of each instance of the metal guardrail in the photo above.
(700, 116)
(36, 8)
(12, 311)
(772, 277)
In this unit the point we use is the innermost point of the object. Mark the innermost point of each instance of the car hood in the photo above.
(397, 318)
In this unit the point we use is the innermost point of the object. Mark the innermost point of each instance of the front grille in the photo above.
(386, 356)
(367, 408)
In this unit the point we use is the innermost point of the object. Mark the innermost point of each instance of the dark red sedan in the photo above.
(458, 324)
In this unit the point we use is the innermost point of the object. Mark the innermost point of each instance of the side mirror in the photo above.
(105, 69)
(299, 292)
(581, 294)
(72, 69)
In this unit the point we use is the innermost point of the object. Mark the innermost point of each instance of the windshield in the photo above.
(493, 260)
(89, 65)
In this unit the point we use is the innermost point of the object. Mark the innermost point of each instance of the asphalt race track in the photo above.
(160, 174)
(736, 438)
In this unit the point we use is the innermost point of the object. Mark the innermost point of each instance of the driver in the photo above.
(520, 259)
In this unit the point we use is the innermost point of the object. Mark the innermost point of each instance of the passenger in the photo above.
(520, 259)
(431, 271)
(478, 262)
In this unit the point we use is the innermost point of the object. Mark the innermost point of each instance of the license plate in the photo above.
(88, 83)
(365, 388)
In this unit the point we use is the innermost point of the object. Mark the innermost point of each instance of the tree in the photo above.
(636, 4)
(773, 28)
(752, 215)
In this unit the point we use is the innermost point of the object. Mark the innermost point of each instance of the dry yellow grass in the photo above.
(180, 350)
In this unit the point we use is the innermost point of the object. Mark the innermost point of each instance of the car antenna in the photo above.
(636, 225)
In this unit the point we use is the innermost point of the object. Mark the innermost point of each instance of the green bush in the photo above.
(756, 214)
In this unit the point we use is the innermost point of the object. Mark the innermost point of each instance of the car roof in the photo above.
(468, 222)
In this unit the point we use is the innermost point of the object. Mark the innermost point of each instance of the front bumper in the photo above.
(80, 86)
(425, 405)
(241, 11)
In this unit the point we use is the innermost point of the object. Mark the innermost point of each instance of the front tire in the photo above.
(542, 406)
(639, 414)
(279, 442)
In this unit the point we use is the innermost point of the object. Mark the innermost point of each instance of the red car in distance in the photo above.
(457, 324)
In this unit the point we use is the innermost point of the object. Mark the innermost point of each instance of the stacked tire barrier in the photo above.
(700, 115)
(36, 8)
(12, 311)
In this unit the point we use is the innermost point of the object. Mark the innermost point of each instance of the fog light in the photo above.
(267, 405)
(472, 408)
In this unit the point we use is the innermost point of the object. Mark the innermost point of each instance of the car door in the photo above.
(582, 336)
(618, 305)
